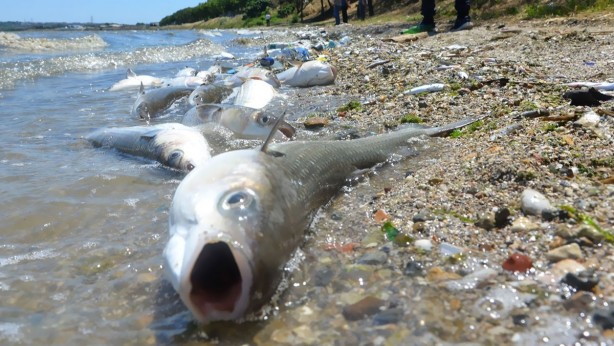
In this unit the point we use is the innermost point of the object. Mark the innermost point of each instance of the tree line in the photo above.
(220, 8)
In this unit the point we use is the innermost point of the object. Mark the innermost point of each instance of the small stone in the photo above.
(590, 233)
(418, 227)
(323, 276)
(315, 122)
(561, 268)
(523, 224)
(534, 203)
(380, 216)
(588, 119)
(436, 274)
(556, 242)
(518, 263)
(373, 258)
(580, 301)
(604, 319)
(422, 104)
(583, 281)
(521, 320)
(572, 251)
(414, 268)
(424, 244)
(389, 316)
(502, 217)
(363, 308)
(456, 304)
(422, 217)
(486, 222)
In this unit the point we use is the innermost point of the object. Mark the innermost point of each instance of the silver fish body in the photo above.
(244, 122)
(235, 223)
(173, 145)
(209, 93)
(153, 102)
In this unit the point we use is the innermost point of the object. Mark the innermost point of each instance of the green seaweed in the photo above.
(350, 106)
(587, 220)
(456, 215)
(411, 119)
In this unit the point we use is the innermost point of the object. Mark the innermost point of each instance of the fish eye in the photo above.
(240, 199)
(175, 155)
(264, 119)
(190, 167)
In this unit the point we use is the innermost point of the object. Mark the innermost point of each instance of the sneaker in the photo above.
(416, 29)
(462, 24)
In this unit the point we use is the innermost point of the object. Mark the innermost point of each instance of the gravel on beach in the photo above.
(497, 234)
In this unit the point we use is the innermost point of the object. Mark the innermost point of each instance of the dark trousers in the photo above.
(428, 10)
(360, 12)
(344, 13)
(370, 7)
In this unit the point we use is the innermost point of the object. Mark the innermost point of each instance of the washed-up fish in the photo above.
(153, 102)
(425, 88)
(605, 86)
(185, 82)
(186, 72)
(134, 81)
(246, 73)
(236, 222)
(310, 73)
(255, 93)
(244, 122)
(173, 145)
(209, 93)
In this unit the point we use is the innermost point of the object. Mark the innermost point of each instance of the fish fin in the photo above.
(209, 112)
(268, 140)
(130, 73)
(142, 89)
(443, 131)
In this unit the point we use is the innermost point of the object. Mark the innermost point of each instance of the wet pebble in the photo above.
(604, 319)
(580, 301)
(437, 274)
(424, 245)
(315, 122)
(373, 258)
(583, 281)
(414, 268)
(422, 217)
(534, 203)
(521, 320)
(323, 276)
(389, 316)
(486, 222)
(518, 263)
(502, 217)
(572, 251)
(363, 308)
(523, 224)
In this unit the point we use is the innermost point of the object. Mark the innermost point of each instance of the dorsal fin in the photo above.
(272, 133)
(142, 88)
(130, 73)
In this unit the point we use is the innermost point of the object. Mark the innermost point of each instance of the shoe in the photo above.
(416, 29)
(462, 24)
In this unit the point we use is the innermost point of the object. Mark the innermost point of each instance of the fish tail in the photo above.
(443, 131)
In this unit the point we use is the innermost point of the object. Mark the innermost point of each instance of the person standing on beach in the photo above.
(340, 5)
(463, 21)
(360, 12)
(268, 19)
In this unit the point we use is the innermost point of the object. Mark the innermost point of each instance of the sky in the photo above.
(83, 11)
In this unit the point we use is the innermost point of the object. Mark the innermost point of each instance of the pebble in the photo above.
(437, 274)
(534, 203)
(389, 316)
(588, 119)
(572, 251)
(373, 258)
(502, 217)
(472, 280)
(583, 281)
(579, 302)
(363, 308)
(315, 122)
(486, 222)
(523, 224)
(424, 245)
(518, 263)
(323, 276)
(590, 233)
(561, 268)
(414, 268)
(604, 319)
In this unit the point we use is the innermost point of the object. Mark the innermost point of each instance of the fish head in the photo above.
(182, 148)
(224, 255)
(251, 123)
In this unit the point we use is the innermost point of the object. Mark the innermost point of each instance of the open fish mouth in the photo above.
(216, 281)
(287, 129)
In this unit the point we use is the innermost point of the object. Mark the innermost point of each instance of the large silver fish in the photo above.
(153, 102)
(209, 93)
(173, 145)
(244, 122)
(235, 223)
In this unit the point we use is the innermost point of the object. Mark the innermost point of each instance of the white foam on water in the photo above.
(31, 256)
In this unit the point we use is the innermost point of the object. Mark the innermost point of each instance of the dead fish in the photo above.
(235, 223)
(153, 102)
(133, 80)
(425, 88)
(244, 122)
(310, 73)
(255, 93)
(597, 85)
(209, 93)
(173, 145)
